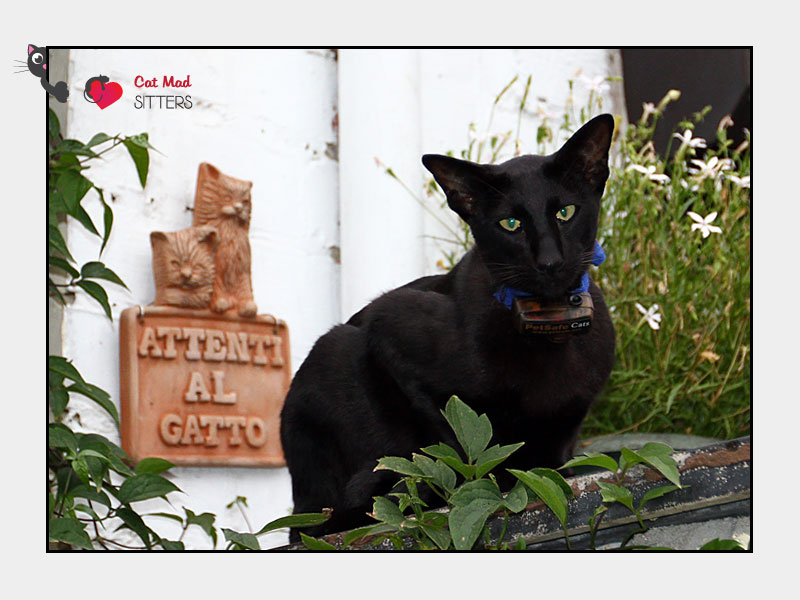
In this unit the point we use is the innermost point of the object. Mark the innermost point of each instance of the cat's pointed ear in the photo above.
(460, 180)
(31, 48)
(156, 237)
(209, 235)
(584, 157)
(209, 171)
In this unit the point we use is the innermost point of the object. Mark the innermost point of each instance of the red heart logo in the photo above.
(105, 97)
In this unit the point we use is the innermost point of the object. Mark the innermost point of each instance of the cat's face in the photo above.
(221, 196)
(183, 265)
(37, 60)
(534, 218)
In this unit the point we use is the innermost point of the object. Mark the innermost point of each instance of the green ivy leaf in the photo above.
(69, 531)
(57, 399)
(437, 471)
(98, 138)
(472, 431)
(115, 455)
(73, 187)
(96, 394)
(517, 498)
(205, 521)
(53, 126)
(97, 270)
(87, 510)
(491, 457)
(84, 219)
(298, 520)
(61, 436)
(108, 219)
(628, 458)
(169, 545)
(315, 544)
(656, 493)
(89, 493)
(362, 532)
(472, 503)
(60, 263)
(556, 478)
(546, 490)
(398, 465)
(166, 515)
(144, 486)
(56, 241)
(592, 459)
(244, 540)
(152, 465)
(137, 148)
(131, 520)
(81, 470)
(611, 492)
(451, 458)
(97, 292)
(722, 544)
(52, 290)
(478, 489)
(437, 534)
(63, 367)
(659, 456)
(467, 519)
(387, 511)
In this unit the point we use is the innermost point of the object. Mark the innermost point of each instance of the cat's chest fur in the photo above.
(447, 335)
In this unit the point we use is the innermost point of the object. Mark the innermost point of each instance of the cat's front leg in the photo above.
(248, 309)
(220, 304)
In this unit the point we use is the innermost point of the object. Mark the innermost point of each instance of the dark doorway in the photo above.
(719, 77)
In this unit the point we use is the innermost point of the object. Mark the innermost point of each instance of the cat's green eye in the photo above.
(565, 213)
(510, 224)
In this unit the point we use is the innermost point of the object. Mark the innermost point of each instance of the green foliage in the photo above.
(404, 519)
(680, 302)
(93, 485)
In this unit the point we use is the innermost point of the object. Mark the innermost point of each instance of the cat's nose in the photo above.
(186, 272)
(549, 258)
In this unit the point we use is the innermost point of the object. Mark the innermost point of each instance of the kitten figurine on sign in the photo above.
(223, 202)
(183, 266)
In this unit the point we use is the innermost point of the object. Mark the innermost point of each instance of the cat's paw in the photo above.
(220, 305)
(249, 309)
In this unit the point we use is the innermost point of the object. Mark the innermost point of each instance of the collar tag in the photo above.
(554, 318)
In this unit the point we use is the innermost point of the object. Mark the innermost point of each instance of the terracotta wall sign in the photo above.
(202, 376)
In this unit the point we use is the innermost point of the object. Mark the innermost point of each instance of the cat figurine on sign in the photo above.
(224, 203)
(183, 266)
(375, 385)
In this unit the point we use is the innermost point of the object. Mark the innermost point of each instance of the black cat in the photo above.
(37, 65)
(375, 385)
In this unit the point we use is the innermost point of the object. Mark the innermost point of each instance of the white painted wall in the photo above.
(270, 116)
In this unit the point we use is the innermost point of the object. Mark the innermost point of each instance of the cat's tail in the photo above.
(59, 91)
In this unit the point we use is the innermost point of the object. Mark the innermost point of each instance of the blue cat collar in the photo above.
(506, 295)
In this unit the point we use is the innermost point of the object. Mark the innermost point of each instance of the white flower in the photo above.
(743, 182)
(648, 108)
(703, 224)
(651, 315)
(650, 172)
(712, 168)
(598, 84)
(687, 139)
